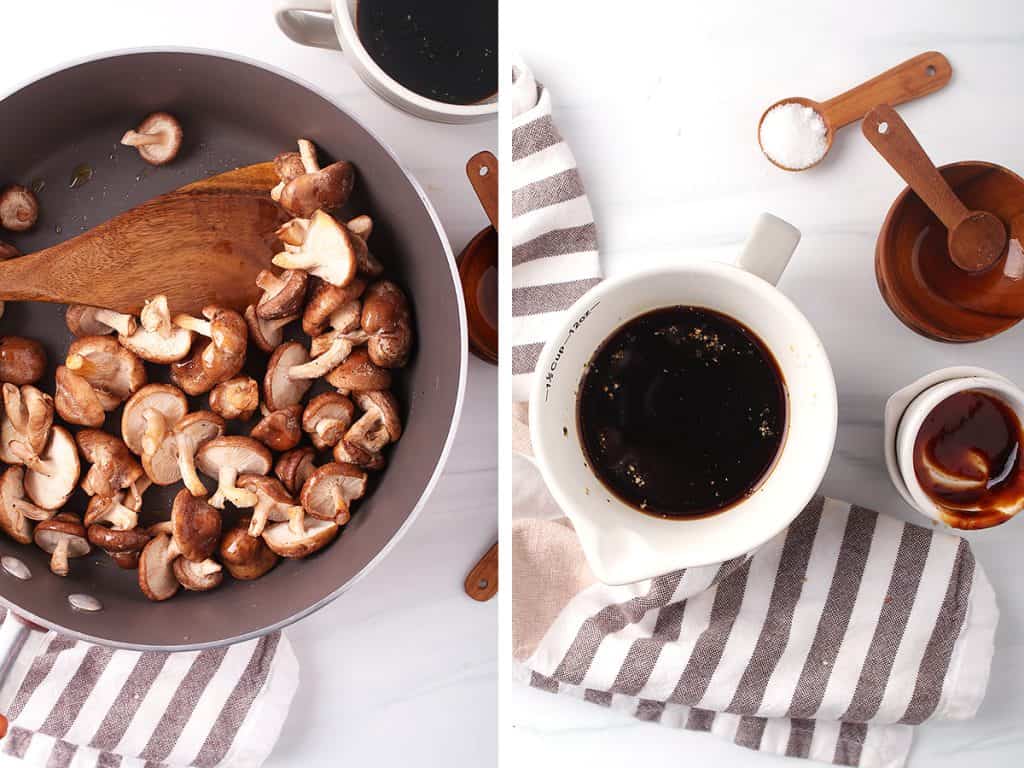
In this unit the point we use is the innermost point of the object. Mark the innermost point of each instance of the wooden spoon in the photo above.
(482, 581)
(976, 239)
(198, 245)
(912, 79)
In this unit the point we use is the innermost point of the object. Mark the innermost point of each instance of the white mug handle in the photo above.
(769, 247)
(297, 20)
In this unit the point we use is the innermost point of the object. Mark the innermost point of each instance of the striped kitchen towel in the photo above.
(554, 241)
(72, 704)
(830, 642)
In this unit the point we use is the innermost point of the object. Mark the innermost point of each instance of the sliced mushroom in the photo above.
(327, 299)
(387, 322)
(280, 390)
(198, 577)
(95, 321)
(114, 373)
(294, 468)
(329, 492)
(327, 418)
(237, 398)
(28, 416)
(219, 359)
(53, 474)
(266, 334)
(191, 433)
(111, 511)
(123, 546)
(380, 423)
(76, 401)
(62, 537)
(225, 458)
(283, 295)
(158, 340)
(329, 251)
(195, 525)
(325, 188)
(151, 414)
(245, 557)
(273, 502)
(156, 568)
(346, 453)
(113, 469)
(358, 373)
(15, 510)
(19, 208)
(287, 542)
(158, 138)
(280, 430)
(22, 361)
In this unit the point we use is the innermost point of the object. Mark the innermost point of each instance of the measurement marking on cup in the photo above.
(549, 376)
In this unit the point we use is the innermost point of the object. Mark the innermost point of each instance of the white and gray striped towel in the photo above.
(72, 704)
(829, 643)
(554, 241)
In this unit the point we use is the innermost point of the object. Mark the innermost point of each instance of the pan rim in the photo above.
(463, 354)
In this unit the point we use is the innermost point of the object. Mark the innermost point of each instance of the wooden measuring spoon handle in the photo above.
(482, 170)
(482, 581)
(915, 77)
(887, 132)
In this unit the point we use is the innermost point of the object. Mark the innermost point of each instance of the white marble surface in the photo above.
(405, 660)
(661, 108)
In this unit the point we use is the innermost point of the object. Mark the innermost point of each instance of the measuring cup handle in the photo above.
(769, 247)
(304, 22)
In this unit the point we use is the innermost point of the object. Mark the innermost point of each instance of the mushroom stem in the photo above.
(59, 558)
(31, 459)
(194, 324)
(156, 317)
(31, 511)
(208, 566)
(275, 193)
(269, 282)
(87, 368)
(120, 517)
(341, 509)
(320, 366)
(136, 139)
(119, 322)
(135, 491)
(227, 490)
(155, 432)
(187, 465)
(297, 521)
(308, 154)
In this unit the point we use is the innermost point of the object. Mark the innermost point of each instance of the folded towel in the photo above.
(72, 704)
(554, 241)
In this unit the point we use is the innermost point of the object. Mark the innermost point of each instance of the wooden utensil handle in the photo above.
(482, 170)
(887, 132)
(915, 77)
(482, 581)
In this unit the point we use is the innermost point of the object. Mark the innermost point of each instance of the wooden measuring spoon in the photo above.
(201, 244)
(976, 239)
(482, 581)
(478, 262)
(912, 79)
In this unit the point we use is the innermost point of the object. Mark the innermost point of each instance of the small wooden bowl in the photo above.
(478, 268)
(912, 257)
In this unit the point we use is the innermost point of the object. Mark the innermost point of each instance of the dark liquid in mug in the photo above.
(682, 412)
(445, 50)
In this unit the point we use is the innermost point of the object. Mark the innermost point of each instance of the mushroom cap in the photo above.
(129, 561)
(329, 251)
(61, 456)
(327, 417)
(286, 543)
(279, 390)
(196, 526)
(114, 467)
(358, 373)
(361, 225)
(8, 251)
(201, 426)
(280, 430)
(162, 398)
(285, 298)
(99, 507)
(12, 489)
(19, 208)
(294, 467)
(266, 334)
(162, 465)
(387, 405)
(113, 541)
(318, 494)
(162, 125)
(327, 188)
(27, 416)
(22, 361)
(269, 489)
(288, 166)
(236, 398)
(76, 401)
(246, 557)
(63, 527)
(157, 348)
(198, 577)
(244, 454)
(218, 358)
(114, 372)
(325, 301)
(156, 570)
(387, 320)
(86, 321)
(346, 453)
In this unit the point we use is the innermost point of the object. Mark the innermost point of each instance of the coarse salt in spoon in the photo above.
(796, 133)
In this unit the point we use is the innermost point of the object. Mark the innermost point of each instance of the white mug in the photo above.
(331, 24)
(623, 545)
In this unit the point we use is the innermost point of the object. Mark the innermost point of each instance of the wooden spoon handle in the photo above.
(887, 132)
(915, 77)
(482, 170)
(482, 581)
